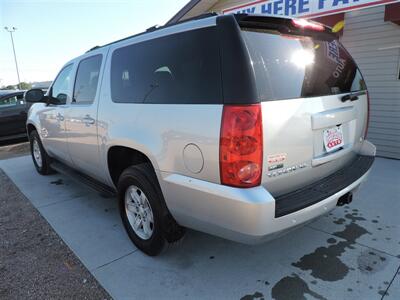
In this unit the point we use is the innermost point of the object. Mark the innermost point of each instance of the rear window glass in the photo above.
(180, 68)
(298, 66)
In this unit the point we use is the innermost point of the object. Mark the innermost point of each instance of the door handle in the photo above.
(88, 120)
(60, 117)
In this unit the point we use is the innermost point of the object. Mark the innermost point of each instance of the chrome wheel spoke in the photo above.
(149, 214)
(132, 207)
(146, 228)
(135, 197)
(143, 199)
(136, 224)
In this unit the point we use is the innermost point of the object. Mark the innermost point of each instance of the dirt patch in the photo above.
(34, 261)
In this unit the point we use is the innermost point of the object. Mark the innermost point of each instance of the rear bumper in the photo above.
(243, 215)
(323, 188)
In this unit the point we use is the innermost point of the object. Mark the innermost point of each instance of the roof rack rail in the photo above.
(157, 27)
(93, 48)
(153, 28)
(199, 17)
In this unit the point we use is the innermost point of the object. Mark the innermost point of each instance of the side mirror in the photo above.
(35, 96)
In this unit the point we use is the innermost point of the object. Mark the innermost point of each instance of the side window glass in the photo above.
(8, 102)
(87, 79)
(62, 84)
(179, 68)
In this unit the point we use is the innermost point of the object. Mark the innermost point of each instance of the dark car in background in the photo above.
(13, 114)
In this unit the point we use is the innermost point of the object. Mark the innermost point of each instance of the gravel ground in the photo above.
(14, 148)
(34, 262)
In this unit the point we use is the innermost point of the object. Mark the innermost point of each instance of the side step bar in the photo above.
(83, 179)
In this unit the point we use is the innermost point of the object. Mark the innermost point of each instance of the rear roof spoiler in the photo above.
(284, 26)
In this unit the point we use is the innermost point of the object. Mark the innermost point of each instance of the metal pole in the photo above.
(15, 56)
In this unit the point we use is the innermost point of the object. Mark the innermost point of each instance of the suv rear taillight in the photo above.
(241, 146)
(367, 124)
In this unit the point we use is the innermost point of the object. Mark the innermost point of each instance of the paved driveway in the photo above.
(353, 252)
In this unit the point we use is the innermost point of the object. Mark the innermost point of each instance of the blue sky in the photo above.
(49, 33)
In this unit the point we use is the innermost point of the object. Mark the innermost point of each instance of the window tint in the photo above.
(299, 66)
(180, 68)
(62, 84)
(8, 102)
(87, 79)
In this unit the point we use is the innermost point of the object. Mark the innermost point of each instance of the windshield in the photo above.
(288, 66)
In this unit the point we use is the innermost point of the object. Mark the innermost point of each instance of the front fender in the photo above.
(33, 117)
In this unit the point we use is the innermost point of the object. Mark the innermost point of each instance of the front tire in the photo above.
(41, 160)
(144, 214)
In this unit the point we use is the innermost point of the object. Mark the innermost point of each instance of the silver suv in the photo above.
(241, 126)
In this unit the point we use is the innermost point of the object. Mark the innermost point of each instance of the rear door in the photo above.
(311, 126)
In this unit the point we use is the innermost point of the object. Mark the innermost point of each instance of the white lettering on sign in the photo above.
(303, 8)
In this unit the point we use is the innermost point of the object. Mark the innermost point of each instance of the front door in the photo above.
(52, 117)
(81, 117)
(12, 116)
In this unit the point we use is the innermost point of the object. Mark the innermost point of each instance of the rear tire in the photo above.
(144, 214)
(40, 158)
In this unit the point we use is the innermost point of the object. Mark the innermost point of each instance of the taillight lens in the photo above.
(367, 124)
(305, 24)
(241, 145)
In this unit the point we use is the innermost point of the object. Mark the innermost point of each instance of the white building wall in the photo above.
(375, 45)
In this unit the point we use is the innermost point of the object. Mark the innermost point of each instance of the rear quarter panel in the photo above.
(161, 132)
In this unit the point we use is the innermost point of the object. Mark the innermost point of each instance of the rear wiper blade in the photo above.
(352, 96)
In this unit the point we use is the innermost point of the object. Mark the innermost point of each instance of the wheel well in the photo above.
(30, 128)
(119, 158)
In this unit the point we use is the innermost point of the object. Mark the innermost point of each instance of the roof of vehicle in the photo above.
(244, 18)
(156, 28)
(10, 92)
